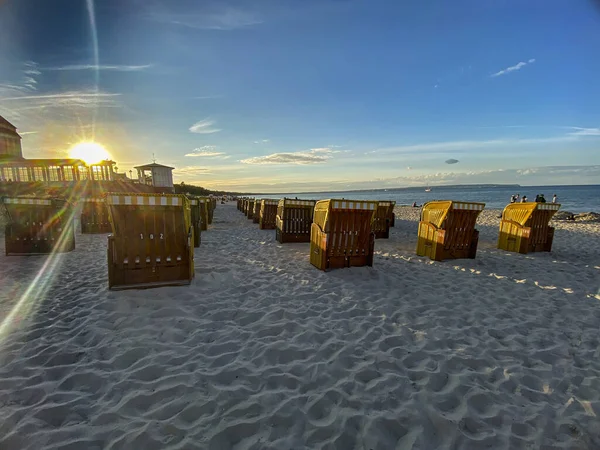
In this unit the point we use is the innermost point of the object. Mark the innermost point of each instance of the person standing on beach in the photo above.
(542, 199)
(554, 199)
(513, 198)
(524, 199)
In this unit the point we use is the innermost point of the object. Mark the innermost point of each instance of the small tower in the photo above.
(156, 175)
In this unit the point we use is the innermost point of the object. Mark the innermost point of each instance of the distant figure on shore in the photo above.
(513, 198)
(524, 199)
(542, 198)
(554, 199)
(414, 205)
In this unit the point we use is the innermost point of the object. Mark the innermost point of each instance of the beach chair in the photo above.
(94, 216)
(341, 234)
(393, 218)
(382, 220)
(250, 209)
(245, 206)
(447, 230)
(38, 225)
(293, 220)
(197, 208)
(152, 241)
(268, 214)
(256, 213)
(211, 206)
(525, 227)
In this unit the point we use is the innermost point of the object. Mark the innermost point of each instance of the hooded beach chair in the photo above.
(256, 213)
(293, 220)
(250, 209)
(94, 216)
(199, 217)
(38, 225)
(525, 227)
(447, 230)
(268, 214)
(383, 219)
(341, 234)
(152, 241)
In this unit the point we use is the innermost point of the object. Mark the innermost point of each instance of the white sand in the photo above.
(264, 351)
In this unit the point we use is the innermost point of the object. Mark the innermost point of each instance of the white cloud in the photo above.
(263, 141)
(114, 67)
(204, 126)
(205, 151)
(226, 19)
(578, 131)
(517, 66)
(69, 96)
(312, 156)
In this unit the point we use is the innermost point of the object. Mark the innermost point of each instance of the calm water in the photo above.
(572, 198)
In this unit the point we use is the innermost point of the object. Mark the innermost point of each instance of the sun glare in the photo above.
(90, 152)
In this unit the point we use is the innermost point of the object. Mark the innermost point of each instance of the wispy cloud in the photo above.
(204, 126)
(578, 131)
(224, 19)
(514, 68)
(205, 151)
(113, 67)
(190, 171)
(263, 141)
(312, 156)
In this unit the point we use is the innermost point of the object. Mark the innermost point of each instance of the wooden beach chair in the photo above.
(211, 206)
(382, 220)
(94, 216)
(152, 241)
(293, 220)
(38, 225)
(341, 234)
(256, 213)
(197, 208)
(268, 214)
(250, 209)
(447, 230)
(525, 227)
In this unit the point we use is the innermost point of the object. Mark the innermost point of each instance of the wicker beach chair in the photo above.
(268, 214)
(152, 241)
(382, 220)
(250, 209)
(447, 230)
(293, 220)
(341, 234)
(525, 227)
(94, 216)
(38, 225)
(256, 213)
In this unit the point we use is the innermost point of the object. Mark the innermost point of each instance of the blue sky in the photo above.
(283, 95)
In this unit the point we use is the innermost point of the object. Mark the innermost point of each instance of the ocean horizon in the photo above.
(573, 198)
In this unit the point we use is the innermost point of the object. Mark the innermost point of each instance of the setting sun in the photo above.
(90, 152)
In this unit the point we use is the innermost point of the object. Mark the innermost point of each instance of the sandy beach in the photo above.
(264, 351)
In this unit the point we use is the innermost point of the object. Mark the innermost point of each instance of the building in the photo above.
(156, 175)
(15, 168)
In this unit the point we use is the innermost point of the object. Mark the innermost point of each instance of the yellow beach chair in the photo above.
(152, 241)
(383, 219)
(293, 220)
(256, 213)
(341, 234)
(38, 225)
(447, 230)
(525, 228)
(268, 214)
(250, 209)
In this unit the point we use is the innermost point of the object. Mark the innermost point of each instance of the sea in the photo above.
(575, 199)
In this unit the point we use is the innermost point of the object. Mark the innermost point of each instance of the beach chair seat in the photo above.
(38, 225)
(256, 213)
(250, 209)
(151, 244)
(447, 230)
(525, 227)
(268, 214)
(341, 234)
(198, 214)
(382, 220)
(94, 216)
(293, 220)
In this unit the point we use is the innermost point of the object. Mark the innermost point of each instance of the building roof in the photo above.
(43, 162)
(6, 124)
(153, 165)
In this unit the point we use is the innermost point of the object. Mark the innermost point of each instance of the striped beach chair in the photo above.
(250, 208)
(525, 227)
(94, 216)
(341, 234)
(268, 214)
(197, 210)
(38, 225)
(447, 230)
(256, 213)
(383, 219)
(293, 220)
(152, 241)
